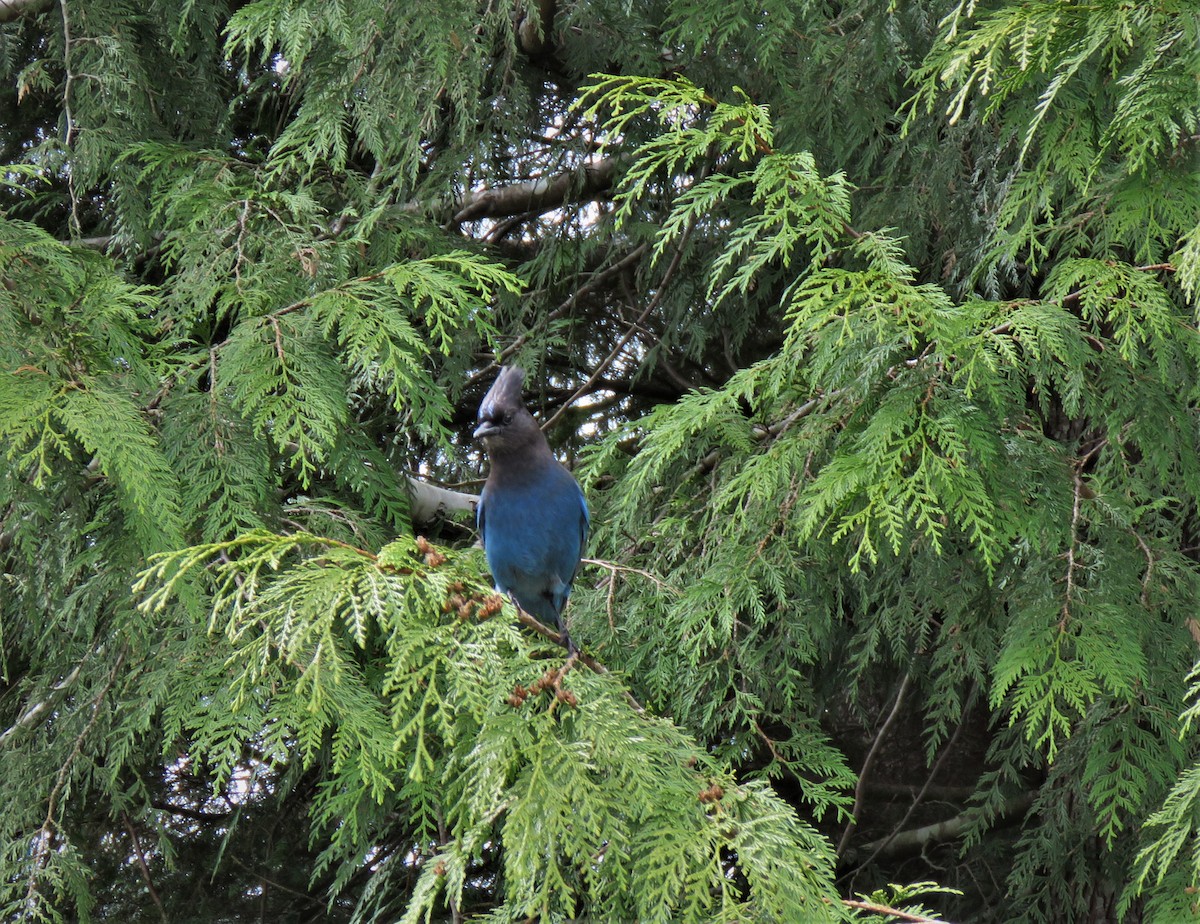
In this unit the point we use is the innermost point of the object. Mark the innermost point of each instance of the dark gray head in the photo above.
(505, 426)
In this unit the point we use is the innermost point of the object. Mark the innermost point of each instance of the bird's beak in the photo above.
(485, 429)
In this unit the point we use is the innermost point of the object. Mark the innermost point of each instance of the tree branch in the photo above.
(595, 666)
(44, 835)
(194, 814)
(860, 788)
(937, 765)
(69, 118)
(430, 501)
(917, 839)
(140, 855)
(34, 712)
(628, 335)
(873, 908)
(541, 195)
(593, 281)
(11, 10)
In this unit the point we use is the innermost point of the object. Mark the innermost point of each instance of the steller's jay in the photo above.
(532, 514)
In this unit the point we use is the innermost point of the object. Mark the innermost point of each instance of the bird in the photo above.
(532, 515)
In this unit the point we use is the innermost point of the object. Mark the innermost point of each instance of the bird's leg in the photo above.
(529, 619)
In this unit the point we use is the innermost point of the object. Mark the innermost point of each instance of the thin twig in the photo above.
(593, 281)
(875, 908)
(595, 666)
(140, 855)
(860, 790)
(266, 880)
(1077, 492)
(937, 765)
(614, 568)
(628, 335)
(1145, 598)
(46, 832)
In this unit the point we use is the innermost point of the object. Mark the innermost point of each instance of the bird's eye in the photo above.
(507, 418)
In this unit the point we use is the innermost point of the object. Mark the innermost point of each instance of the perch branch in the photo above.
(595, 666)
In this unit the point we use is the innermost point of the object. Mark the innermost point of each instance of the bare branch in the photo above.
(599, 276)
(11, 10)
(916, 839)
(38, 709)
(45, 834)
(140, 855)
(860, 789)
(873, 908)
(629, 333)
(430, 501)
(68, 139)
(883, 843)
(584, 182)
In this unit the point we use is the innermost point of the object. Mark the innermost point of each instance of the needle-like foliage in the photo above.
(870, 330)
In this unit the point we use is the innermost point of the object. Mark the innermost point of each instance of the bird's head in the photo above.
(504, 424)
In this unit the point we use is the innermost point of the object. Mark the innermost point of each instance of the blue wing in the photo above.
(533, 532)
(585, 525)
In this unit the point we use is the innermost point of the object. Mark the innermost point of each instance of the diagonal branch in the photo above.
(860, 789)
(883, 843)
(628, 335)
(143, 866)
(917, 839)
(38, 709)
(596, 667)
(11, 10)
(43, 838)
(897, 913)
(593, 281)
(541, 195)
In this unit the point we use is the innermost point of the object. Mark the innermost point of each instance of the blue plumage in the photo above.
(532, 514)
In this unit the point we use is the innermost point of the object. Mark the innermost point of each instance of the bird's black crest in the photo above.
(505, 393)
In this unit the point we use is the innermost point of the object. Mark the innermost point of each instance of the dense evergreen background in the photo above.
(870, 329)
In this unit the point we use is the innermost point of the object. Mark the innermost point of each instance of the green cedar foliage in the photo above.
(899, 432)
(402, 677)
(875, 330)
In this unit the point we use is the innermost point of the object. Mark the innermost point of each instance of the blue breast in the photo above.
(533, 533)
